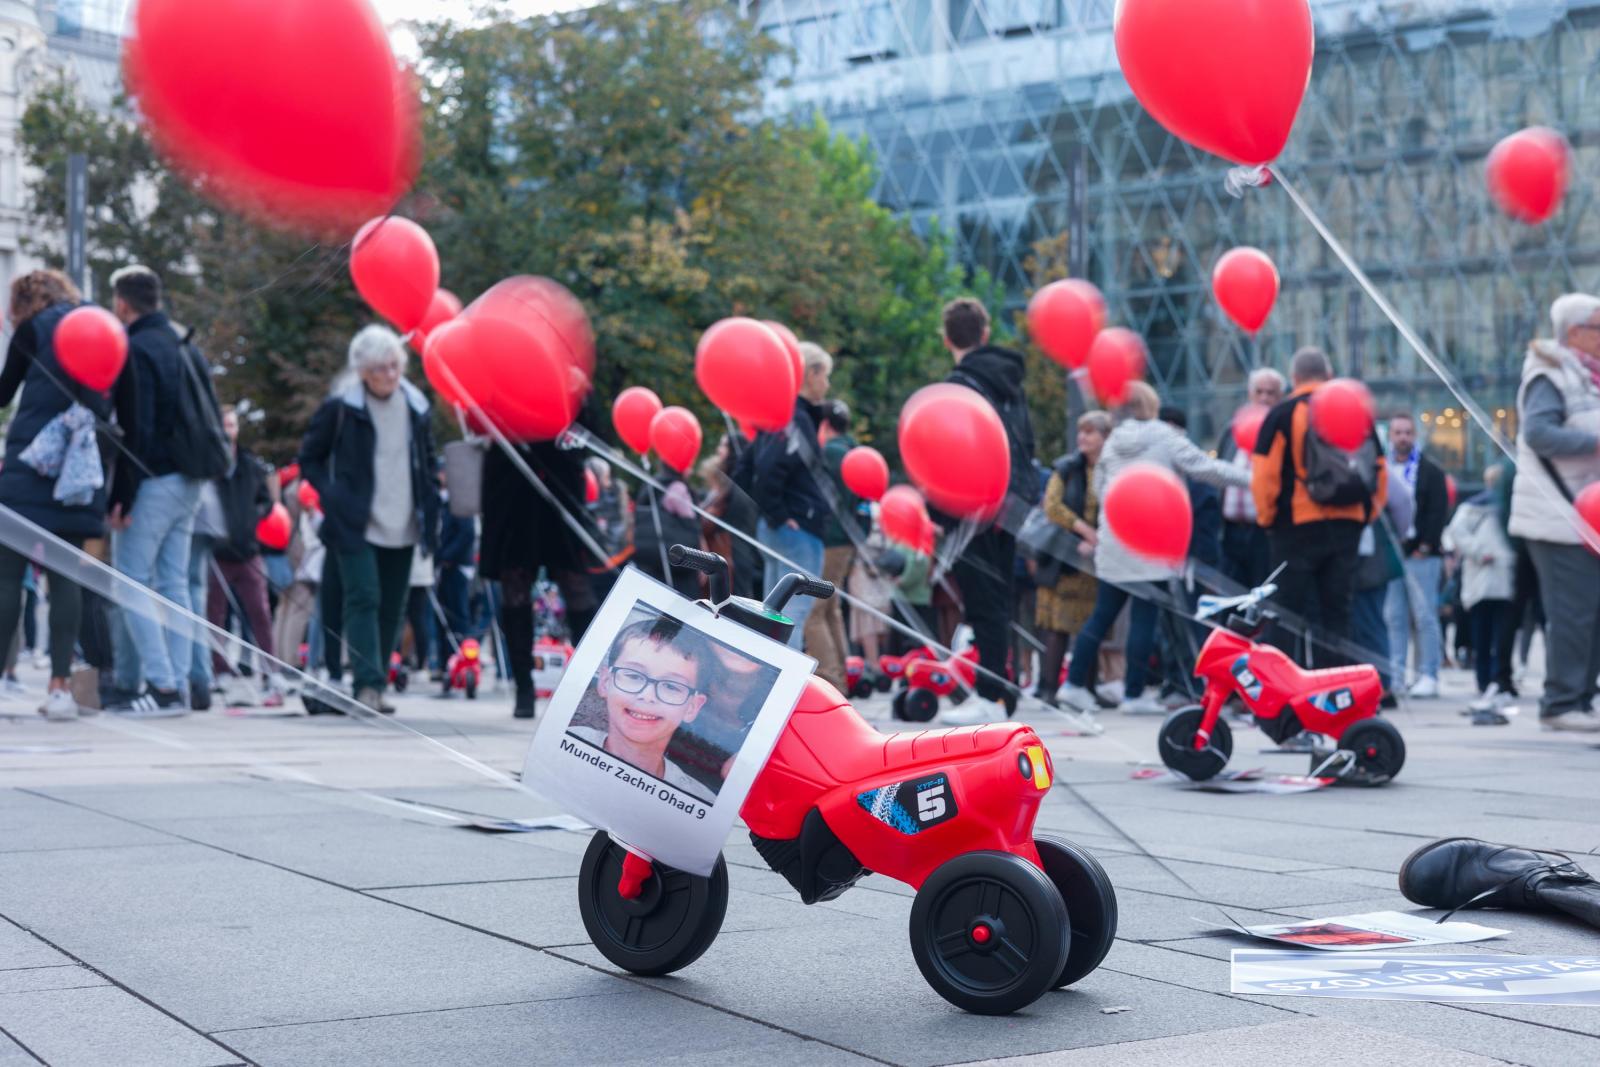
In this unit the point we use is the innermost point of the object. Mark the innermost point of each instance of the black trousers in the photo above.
(1316, 584)
(985, 573)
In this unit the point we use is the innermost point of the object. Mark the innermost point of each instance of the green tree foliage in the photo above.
(620, 150)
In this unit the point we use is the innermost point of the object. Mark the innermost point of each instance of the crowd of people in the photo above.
(384, 561)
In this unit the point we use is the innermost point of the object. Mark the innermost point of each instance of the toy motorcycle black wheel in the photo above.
(897, 706)
(921, 705)
(861, 690)
(884, 683)
(1091, 905)
(1380, 750)
(673, 920)
(472, 689)
(1177, 744)
(989, 932)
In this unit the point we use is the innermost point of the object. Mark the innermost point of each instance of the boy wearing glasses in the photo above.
(655, 678)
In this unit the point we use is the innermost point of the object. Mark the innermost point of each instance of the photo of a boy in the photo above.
(655, 678)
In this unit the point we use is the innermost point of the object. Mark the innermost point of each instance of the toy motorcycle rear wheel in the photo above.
(989, 932)
(1177, 744)
(1380, 750)
(920, 706)
(884, 683)
(1091, 905)
(673, 920)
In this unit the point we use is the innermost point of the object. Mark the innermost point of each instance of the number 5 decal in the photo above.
(930, 803)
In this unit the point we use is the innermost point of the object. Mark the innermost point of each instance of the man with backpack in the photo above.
(175, 443)
(1314, 499)
(985, 572)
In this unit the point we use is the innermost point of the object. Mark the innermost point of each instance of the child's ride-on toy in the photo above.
(1339, 702)
(929, 679)
(855, 678)
(399, 673)
(1000, 916)
(464, 671)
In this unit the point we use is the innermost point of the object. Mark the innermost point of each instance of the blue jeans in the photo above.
(154, 551)
(1369, 631)
(1413, 601)
(199, 572)
(1108, 601)
(805, 550)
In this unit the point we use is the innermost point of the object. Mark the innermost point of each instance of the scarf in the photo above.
(65, 450)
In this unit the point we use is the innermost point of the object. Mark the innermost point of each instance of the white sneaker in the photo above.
(1423, 688)
(1578, 722)
(974, 712)
(1491, 699)
(1077, 698)
(235, 692)
(59, 706)
(1111, 692)
(13, 688)
(1142, 705)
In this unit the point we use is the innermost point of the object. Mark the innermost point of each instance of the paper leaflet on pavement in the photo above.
(1465, 978)
(1246, 781)
(1370, 931)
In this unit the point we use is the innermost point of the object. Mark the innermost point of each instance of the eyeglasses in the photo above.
(385, 369)
(632, 682)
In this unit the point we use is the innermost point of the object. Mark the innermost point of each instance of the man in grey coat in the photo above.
(1558, 454)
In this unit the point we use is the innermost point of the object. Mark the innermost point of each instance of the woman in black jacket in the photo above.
(39, 301)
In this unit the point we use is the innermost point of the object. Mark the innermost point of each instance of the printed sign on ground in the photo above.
(1371, 931)
(665, 715)
(1464, 978)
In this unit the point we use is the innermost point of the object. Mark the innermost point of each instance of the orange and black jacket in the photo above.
(1279, 491)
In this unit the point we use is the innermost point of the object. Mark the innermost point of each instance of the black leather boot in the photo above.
(1463, 872)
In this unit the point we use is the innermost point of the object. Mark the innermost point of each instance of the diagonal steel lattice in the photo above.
(1008, 122)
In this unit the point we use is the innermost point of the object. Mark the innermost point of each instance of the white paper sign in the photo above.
(1371, 931)
(662, 721)
(1452, 978)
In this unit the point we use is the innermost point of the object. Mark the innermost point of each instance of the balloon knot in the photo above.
(1241, 178)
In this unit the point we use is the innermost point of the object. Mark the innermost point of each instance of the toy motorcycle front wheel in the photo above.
(1177, 744)
(1091, 905)
(921, 705)
(1380, 750)
(989, 932)
(665, 928)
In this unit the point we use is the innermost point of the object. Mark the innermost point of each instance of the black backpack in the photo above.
(199, 445)
(1338, 478)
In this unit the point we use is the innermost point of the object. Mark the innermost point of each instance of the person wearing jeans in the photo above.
(373, 431)
(805, 551)
(1414, 597)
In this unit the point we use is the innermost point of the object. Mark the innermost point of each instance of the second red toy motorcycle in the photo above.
(1285, 699)
(1001, 915)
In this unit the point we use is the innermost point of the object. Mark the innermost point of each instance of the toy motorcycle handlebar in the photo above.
(1210, 606)
(713, 566)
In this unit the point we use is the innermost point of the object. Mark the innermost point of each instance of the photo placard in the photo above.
(663, 719)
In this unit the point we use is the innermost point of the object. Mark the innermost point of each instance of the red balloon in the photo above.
(631, 413)
(549, 310)
(1247, 426)
(865, 473)
(903, 514)
(396, 269)
(1225, 75)
(92, 346)
(1528, 173)
(675, 435)
(309, 498)
(274, 529)
(444, 306)
(1116, 358)
(791, 345)
(591, 487)
(1147, 507)
(294, 109)
(746, 428)
(1342, 412)
(1451, 492)
(1588, 505)
(955, 449)
(743, 368)
(1245, 283)
(1063, 319)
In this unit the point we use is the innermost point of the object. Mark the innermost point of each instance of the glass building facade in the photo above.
(1009, 123)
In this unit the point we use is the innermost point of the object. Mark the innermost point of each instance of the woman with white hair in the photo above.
(1558, 456)
(369, 454)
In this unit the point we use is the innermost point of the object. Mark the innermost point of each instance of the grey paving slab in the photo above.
(370, 849)
(861, 989)
(104, 1027)
(14, 1055)
(1227, 885)
(224, 942)
(19, 948)
(197, 800)
(638, 1026)
(1330, 1043)
(33, 979)
(29, 823)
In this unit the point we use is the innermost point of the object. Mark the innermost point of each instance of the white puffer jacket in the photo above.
(1538, 508)
(1488, 562)
(1149, 441)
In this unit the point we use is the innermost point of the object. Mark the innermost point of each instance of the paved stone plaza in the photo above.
(225, 889)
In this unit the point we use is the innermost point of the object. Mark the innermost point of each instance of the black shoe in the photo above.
(166, 698)
(199, 696)
(523, 708)
(1388, 702)
(1460, 872)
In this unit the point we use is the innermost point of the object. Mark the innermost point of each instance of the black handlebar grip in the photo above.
(695, 559)
(815, 588)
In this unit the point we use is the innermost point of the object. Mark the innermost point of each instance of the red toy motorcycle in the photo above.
(893, 668)
(1339, 702)
(464, 671)
(929, 679)
(1000, 915)
(399, 673)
